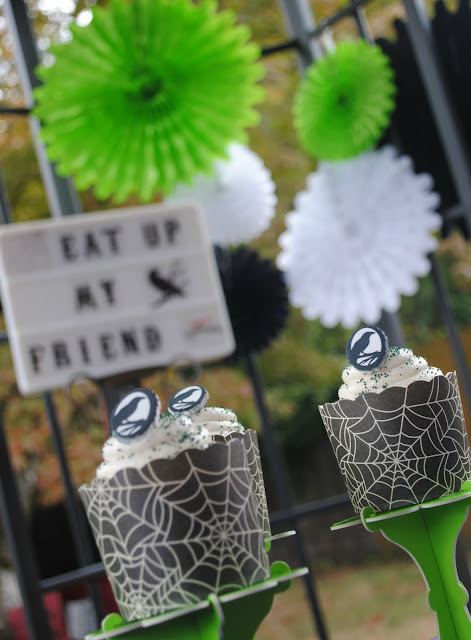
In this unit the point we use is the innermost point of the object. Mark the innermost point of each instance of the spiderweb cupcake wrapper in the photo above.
(401, 447)
(252, 449)
(344, 103)
(177, 530)
(149, 94)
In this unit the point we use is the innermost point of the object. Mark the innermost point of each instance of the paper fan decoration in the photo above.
(256, 297)
(150, 93)
(238, 200)
(343, 105)
(412, 119)
(358, 238)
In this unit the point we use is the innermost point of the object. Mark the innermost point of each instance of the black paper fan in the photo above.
(412, 121)
(256, 296)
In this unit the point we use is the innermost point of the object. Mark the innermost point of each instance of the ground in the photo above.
(376, 600)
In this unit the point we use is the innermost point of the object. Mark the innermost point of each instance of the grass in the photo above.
(380, 601)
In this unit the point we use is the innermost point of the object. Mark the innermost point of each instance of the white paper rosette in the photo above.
(238, 200)
(358, 238)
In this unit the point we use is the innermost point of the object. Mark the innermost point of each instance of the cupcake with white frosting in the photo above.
(397, 430)
(175, 514)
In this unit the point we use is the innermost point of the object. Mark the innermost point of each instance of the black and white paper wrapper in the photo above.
(177, 530)
(249, 437)
(402, 446)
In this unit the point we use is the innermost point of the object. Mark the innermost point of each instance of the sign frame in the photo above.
(100, 294)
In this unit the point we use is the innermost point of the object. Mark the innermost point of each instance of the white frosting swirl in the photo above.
(166, 438)
(218, 421)
(400, 369)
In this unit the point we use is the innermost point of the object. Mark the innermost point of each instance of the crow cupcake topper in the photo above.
(188, 400)
(367, 349)
(134, 414)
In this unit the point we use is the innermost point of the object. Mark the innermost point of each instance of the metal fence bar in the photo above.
(14, 111)
(6, 215)
(310, 508)
(278, 48)
(61, 195)
(456, 156)
(283, 486)
(63, 200)
(361, 22)
(389, 322)
(442, 108)
(346, 12)
(19, 543)
(75, 515)
(13, 518)
(70, 578)
(453, 336)
(459, 356)
(300, 24)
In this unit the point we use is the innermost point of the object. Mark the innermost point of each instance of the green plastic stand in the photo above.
(232, 616)
(428, 532)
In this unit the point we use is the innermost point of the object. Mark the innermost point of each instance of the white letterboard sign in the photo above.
(104, 293)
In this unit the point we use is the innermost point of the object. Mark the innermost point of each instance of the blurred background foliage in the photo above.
(302, 368)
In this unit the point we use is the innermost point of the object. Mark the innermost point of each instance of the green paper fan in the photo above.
(147, 95)
(343, 105)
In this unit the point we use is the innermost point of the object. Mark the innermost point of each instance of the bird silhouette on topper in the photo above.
(188, 400)
(367, 348)
(135, 413)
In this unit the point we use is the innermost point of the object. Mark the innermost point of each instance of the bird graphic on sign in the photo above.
(169, 285)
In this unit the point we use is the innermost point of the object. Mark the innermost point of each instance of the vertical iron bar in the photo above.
(21, 549)
(362, 24)
(442, 109)
(453, 335)
(458, 161)
(76, 517)
(61, 195)
(6, 215)
(459, 356)
(300, 23)
(457, 157)
(390, 324)
(283, 486)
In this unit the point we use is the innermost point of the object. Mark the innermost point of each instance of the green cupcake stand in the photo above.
(232, 616)
(428, 532)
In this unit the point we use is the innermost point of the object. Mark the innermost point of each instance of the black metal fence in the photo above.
(303, 35)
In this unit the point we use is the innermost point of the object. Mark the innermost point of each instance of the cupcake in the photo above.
(397, 430)
(175, 514)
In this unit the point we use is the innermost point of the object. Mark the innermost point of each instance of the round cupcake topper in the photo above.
(134, 414)
(188, 400)
(367, 349)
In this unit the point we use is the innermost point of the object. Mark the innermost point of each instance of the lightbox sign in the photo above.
(105, 293)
